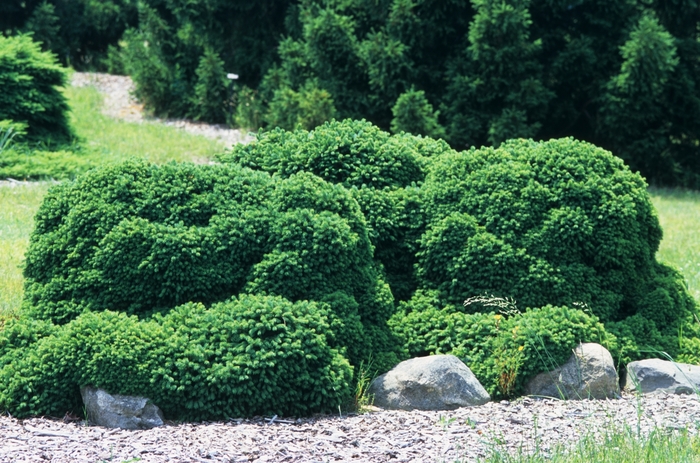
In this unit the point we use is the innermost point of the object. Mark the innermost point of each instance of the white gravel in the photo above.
(465, 434)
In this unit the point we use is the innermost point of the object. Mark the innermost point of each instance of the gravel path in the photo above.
(465, 434)
(119, 103)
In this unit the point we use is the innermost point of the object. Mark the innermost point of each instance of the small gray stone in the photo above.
(120, 411)
(437, 382)
(588, 374)
(656, 375)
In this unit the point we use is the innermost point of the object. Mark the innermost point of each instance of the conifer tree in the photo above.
(211, 88)
(414, 114)
(496, 92)
(44, 25)
(634, 108)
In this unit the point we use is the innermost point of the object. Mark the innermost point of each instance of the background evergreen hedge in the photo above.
(621, 74)
(79, 32)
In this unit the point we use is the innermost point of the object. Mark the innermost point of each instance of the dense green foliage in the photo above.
(559, 223)
(350, 153)
(381, 171)
(414, 114)
(502, 351)
(143, 239)
(286, 259)
(248, 356)
(79, 32)
(621, 74)
(551, 222)
(174, 39)
(29, 79)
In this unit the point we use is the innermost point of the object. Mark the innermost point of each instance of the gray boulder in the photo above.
(656, 375)
(437, 382)
(120, 411)
(588, 374)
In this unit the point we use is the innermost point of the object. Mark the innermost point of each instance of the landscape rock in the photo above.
(588, 374)
(656, 375)
(437, 382)
(120, 411)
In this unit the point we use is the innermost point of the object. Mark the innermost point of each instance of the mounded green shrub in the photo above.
(28, 78)
(503, 351)
(250, 355)
(350, 153)
(143, 239)
(557, 222)
(381, 170)
(554, 225)
(548, 223)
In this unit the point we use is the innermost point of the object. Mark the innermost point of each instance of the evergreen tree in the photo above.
(145, 60)
(634, 108)
(682, 105)
(332, 52)
(496, 91)
(44, 25)
(211, 89)
(164, 52)
(30, 98)
(414, 114)
(306, 109)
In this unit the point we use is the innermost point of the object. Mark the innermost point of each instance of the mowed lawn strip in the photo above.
(108, 140)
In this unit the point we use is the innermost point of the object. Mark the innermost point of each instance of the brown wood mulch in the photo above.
(465, 434)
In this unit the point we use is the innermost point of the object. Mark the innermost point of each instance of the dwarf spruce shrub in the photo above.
(29, 79)
(143, 239)
(381, 170)
(247, 356)
(502, 350)
(557, 222)
(548, 223)
(351, 153)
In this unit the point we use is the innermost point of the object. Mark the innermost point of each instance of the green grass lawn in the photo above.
(109, 140)
(679, 214)
(18, 205)
(102, 140)
(613, 446)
